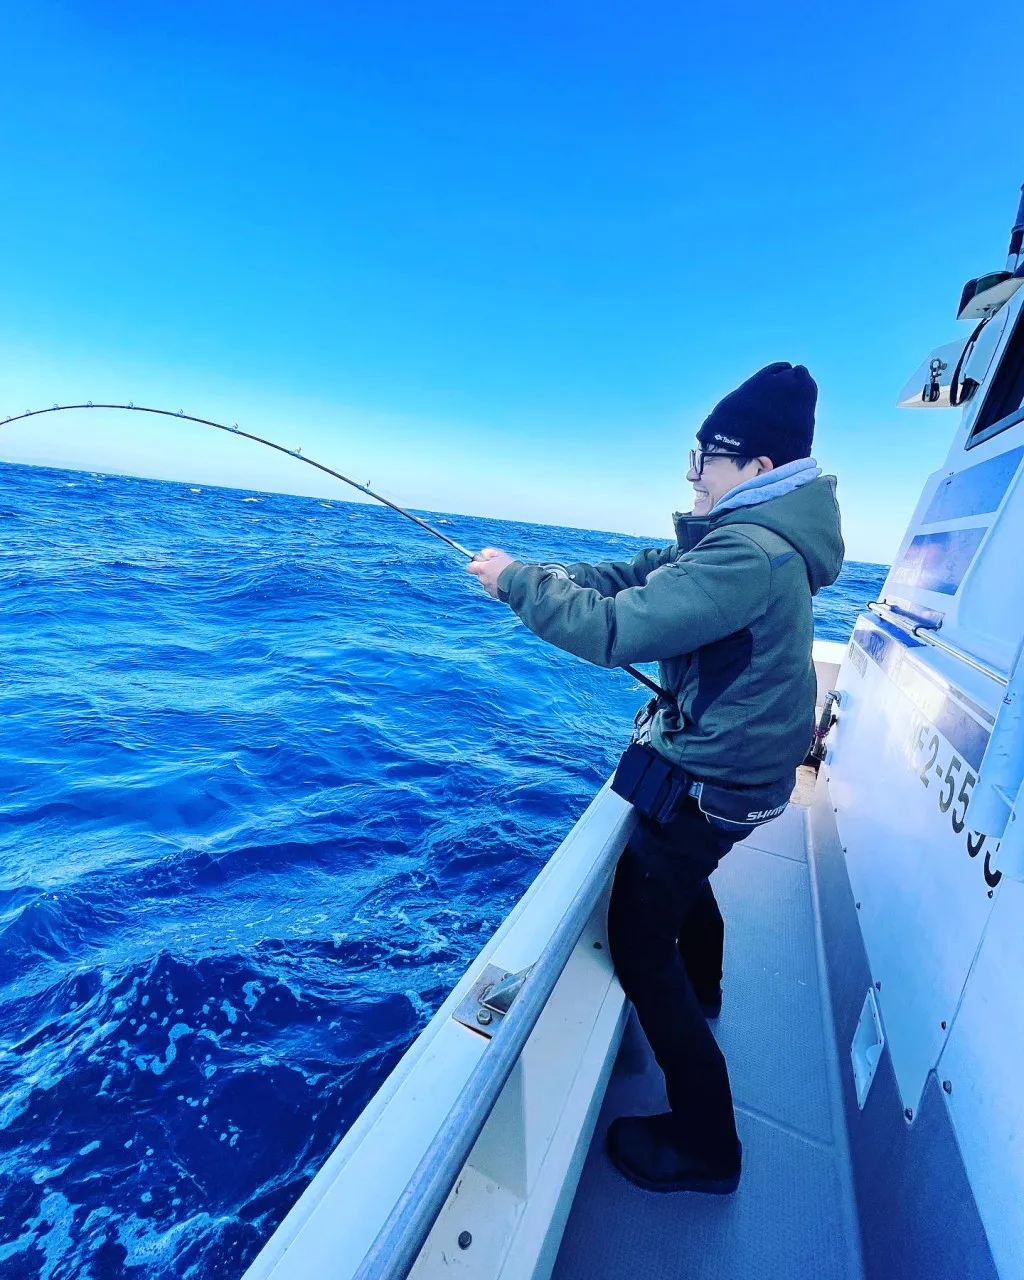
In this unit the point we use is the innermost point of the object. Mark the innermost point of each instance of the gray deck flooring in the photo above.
(793, 1215)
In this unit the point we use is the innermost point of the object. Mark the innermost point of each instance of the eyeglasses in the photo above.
(698, 457)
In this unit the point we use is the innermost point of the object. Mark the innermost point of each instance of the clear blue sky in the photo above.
(500, 258)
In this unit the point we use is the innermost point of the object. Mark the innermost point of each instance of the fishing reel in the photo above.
(826, 723)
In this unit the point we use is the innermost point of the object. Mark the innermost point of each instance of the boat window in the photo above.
(1004, 404)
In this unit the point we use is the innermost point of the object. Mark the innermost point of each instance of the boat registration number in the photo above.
(951, 782)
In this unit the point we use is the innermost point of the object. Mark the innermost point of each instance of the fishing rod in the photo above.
(235, 430)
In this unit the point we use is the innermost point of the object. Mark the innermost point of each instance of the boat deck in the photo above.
(793, 1215)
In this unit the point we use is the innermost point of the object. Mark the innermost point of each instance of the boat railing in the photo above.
(403, 1235)
(927, 636)
(472, 1101)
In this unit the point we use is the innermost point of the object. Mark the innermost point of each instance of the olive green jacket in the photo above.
(726, 612)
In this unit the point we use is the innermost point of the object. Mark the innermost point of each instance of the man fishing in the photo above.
(726, 612)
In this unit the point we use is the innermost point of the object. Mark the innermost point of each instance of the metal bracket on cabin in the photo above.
(489, 999)
(932, 392)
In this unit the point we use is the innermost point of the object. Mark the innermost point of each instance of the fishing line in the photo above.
(235, 430)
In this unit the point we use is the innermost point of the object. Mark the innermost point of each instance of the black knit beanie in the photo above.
(770, 415)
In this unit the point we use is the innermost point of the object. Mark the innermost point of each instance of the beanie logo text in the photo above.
(727, 440)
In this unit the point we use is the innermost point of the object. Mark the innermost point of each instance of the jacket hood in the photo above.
(808, 518)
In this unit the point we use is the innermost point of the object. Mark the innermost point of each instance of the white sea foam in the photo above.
(158, 1065)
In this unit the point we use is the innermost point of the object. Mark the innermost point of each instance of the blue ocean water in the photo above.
(272, 770)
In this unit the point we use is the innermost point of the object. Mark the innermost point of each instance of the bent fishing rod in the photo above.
(235, 430)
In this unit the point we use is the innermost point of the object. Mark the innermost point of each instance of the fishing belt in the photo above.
(659, 789)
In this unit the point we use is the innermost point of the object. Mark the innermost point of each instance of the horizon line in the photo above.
(353, 502)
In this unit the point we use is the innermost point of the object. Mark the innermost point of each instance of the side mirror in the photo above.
(984, 296)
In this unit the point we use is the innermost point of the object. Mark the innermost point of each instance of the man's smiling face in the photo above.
(713, 475)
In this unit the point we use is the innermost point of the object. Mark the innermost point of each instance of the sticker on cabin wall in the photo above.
(938, 561)
(858, 659)
(977, 491)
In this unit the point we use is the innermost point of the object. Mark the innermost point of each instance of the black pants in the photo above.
(666, 937)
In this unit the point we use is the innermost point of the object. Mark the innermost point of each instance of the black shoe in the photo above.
(646, 1150)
